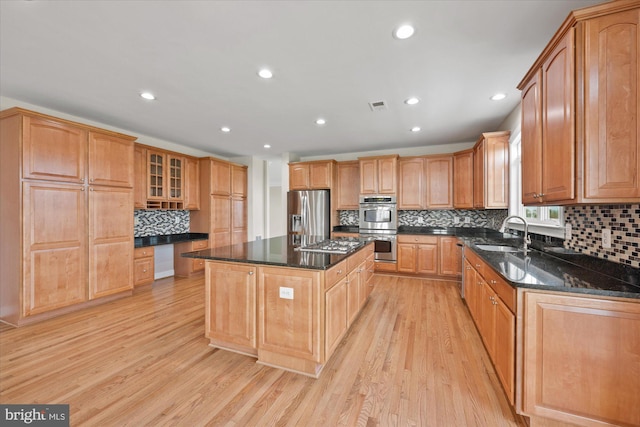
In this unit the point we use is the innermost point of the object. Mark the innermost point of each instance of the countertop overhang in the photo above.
(167, 239)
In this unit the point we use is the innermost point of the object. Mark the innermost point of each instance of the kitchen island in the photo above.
(289, 308)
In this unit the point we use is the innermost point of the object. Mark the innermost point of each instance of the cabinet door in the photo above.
(612, 131)
(478, 176)
(412, 183)
(505, 359)
(450, 256)
(220, 178)
(463, 180)
(387, 176)
(156, 175)
(281, 332)
(238, 220)
(110, 240)
(220, 221)
(362, 283)
(348, 187)
(336, 316)
(111, 161)
(368, 176)
(175, 179)
(487, 316)
(230, 304)
(299, 176)
(439, 188)
(531, 142)
(53, 151)
(54, 247)
(140, 178)
(191, 184)
(496, 192)
(470, 289)
(143, 271)
(406, 258)
(427, 259)
(558, 142)
(353, 295)
(238, 181)
(320, 175)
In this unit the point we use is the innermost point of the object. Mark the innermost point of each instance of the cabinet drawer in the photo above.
(474, 260)
(143, 252)
(196, 245)
(335, 274)
(506, 292)
(417, 239)
(197, 265)
(143, 271)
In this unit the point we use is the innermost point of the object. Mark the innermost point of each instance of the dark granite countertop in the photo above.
(559, 269)
(167, 239)
(346, 229)
(439, 231)
(276, 251)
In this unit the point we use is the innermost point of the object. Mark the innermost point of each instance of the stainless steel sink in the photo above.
(497, 248)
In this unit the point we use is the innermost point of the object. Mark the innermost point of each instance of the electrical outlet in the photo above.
(456, 220)
(286, 293)
(567, 231)
(420, 220)
(606, 238)
(467, 220)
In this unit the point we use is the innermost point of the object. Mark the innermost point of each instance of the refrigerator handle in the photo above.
(296, 223)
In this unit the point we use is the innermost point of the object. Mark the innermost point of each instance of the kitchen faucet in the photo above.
(527, 239)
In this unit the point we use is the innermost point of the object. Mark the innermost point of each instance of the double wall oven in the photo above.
(379, 222)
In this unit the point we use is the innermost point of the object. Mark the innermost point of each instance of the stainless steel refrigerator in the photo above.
(308, 213)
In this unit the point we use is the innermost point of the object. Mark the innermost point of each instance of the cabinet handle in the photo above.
(477, 265)
(493, 282)
(82, 189)
(494, 302)
(251, 273)
(468, 268)
(339, 271)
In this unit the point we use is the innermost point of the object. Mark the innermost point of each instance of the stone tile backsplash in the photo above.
(439, 218)
(156, 222)
(587, 223)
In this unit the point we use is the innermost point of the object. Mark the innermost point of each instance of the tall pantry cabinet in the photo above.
(67, 214)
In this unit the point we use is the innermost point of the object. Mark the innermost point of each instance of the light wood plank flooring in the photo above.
(413, 357)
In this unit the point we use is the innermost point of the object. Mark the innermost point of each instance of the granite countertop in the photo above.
(167, 239)
(440, 231)
(276, 251)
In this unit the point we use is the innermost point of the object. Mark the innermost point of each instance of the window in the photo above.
(547, 220)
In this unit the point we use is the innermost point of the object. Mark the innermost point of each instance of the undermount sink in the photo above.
(497, 248)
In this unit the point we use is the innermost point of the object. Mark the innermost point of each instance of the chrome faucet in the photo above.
(527, 239)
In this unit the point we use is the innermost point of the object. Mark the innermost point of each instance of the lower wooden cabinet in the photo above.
(429, 255)
(450, 257)
(186, 267)
(230, 306)
(581, 359)
(336, 322)
(143, 265)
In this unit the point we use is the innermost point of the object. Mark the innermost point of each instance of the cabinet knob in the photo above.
(339, 271)
(477, 265)
(493, 282)
(416, 239)
(251, 273)
(468, 268)
(144, 271)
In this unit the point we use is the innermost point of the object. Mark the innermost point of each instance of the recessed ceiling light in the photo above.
(403, 32)
(148, 95)
(498, 96)
(411, 101)
(265, 73)
(225, 129)
(267, 146)
(415, 129)
(321, 121)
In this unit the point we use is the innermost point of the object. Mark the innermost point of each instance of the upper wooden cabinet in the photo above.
(379, 175)
(491, 171)
(411, 188)
(580, 100)
(463, 179)
(316, 175)
(140, 177)
(191, 184)
(110, 160)
(439, 182)
(348, 185)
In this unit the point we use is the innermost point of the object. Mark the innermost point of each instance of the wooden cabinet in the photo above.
(418, 254)
(186, 267)
(439, 182)
(411, 188)
(54, 174)
(223, 211)
(140, 177)
(175, 179)
(143, 265)
(230, 306)
(450, 256)
(580, 139)
(336, 323)
(348, 185)
(316, 175)
(156, 175)
(191, 184)
(110, 240)
(379, 175)
(581, 359)
(492, 304)
(491, 171)
(165, 179)
(463, 179)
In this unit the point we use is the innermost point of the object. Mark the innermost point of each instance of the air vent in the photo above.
(377, 106)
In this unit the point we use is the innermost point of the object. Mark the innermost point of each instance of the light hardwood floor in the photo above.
(413, 357)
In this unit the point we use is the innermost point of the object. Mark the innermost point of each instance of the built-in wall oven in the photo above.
(379, 222)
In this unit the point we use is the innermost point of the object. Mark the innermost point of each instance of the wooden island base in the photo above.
(288, 318)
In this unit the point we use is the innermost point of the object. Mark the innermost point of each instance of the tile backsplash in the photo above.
(439, 218)
(587, 223)
(157, 222)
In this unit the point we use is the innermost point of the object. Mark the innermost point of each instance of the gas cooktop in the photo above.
(332, 246)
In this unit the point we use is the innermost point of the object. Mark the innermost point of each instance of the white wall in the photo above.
(413, 151)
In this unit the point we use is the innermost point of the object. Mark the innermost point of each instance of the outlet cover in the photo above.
(286, 293)
(606, 238)
(467, 220)
(420, 220)
(567, 231)
(456, 220)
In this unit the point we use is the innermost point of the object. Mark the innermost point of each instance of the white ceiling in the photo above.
(330, 59)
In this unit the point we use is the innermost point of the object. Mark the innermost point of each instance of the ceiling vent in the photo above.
(377, 106)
